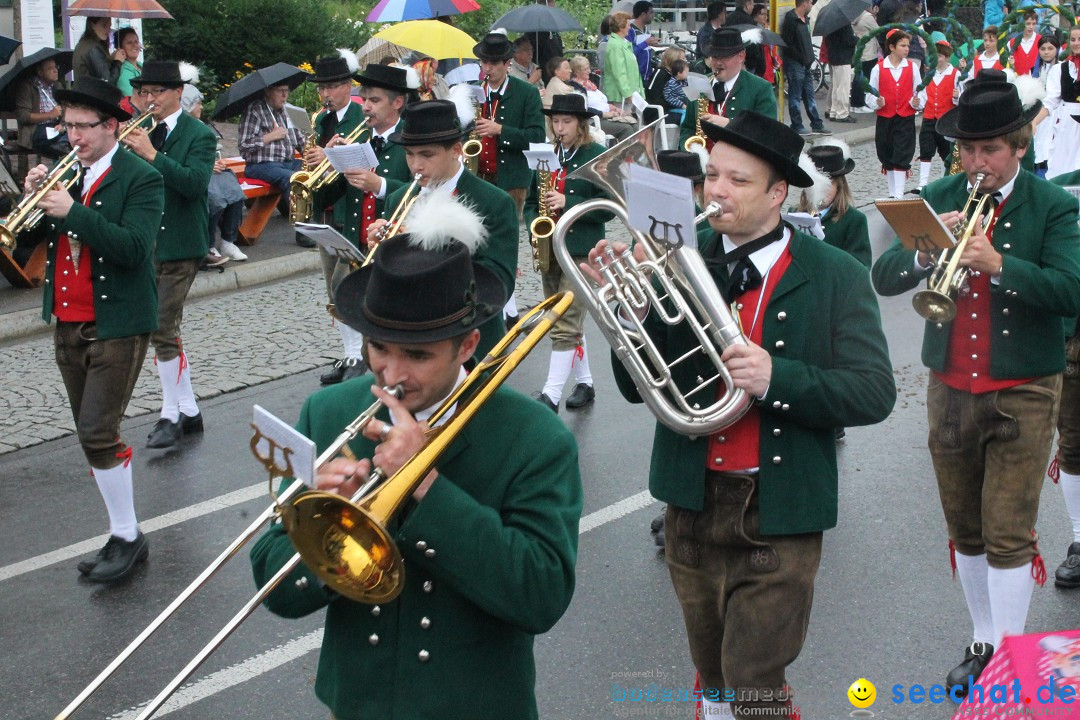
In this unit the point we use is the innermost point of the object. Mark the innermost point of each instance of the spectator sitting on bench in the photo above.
(37, 113)
(268, 142)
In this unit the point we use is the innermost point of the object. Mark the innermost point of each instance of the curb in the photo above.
(26, 323)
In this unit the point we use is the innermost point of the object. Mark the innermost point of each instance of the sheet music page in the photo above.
(355, 156)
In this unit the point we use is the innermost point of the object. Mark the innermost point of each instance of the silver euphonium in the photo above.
(672, 282)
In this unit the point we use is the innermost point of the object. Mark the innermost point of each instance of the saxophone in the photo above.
(472, 147)
(543, 227)
(698, 138)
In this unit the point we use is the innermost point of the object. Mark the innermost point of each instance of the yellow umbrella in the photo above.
(431, 37)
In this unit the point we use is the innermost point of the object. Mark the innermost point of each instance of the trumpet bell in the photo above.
(7, 238)
(346, 547)
(936, 307)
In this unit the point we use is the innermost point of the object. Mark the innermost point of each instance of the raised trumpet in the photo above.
(393, 225)
(27, 215)
(937, 303)
(139, 122)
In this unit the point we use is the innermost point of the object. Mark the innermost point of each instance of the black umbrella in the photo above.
(7, 47)
(768, 37)
(537, 18)
(10, 81)
(241, 93)
(837, 14)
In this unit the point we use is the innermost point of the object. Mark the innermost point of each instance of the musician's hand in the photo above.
(363, 180)
(979, 254)
(278, 133)
(373, 230)
(335, 141)
(34, 177)
(57, 202)
(591, 270)
(714, 119)
(401, 441)
(750, 367)
(488, 128)
(555, 200)
(342, 476)
(313, 156)
(139, 141)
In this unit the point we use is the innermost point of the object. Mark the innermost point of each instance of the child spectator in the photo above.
(674, 96)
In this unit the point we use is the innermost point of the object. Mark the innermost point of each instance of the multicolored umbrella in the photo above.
(148, 9)
(398, 10)
(430, 37)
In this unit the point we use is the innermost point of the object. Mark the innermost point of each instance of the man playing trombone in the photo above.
(747, 505)
(489, 537)
(996, 368)
(385, 91)
(100, 287)
(181, 148)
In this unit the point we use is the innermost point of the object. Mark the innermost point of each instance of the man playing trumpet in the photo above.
(996, 368)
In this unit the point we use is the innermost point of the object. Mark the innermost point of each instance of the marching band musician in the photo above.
(575, 146)
(431, 133)
(100, 287)
(844, 224)
(747, 506)
(996, 369)
(489, 537)
(182, 149)
(734, 87)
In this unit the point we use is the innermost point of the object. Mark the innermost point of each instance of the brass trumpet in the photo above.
(937, 302)
(137, 122)
(393, 225)
(304, 183)
(543, 227)
(26, 215)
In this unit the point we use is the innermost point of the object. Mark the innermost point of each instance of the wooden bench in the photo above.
(263, 199)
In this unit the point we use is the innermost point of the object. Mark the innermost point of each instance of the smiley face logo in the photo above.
(862, 693)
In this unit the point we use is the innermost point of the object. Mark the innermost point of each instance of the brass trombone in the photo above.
(393, 225)
(26, 215)
(345, 541)
(937, 303)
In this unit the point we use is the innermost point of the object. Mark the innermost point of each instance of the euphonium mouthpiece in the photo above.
(713, 209)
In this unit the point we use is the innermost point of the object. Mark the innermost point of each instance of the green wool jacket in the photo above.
(117, 232)
(849, 234)
(186, 162)
(749, 93)
(489, 562)
(1039, 285)
(830, 369)
(327, 197)
(348, 214)
(520, 112)
(587, 231)
(499, 254)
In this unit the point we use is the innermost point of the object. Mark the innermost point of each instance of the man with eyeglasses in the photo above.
(182, 149)
(268, 141)
(99, 285)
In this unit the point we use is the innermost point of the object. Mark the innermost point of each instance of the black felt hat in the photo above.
(386, 77)
(989, 107)
(765, 138)
(412, 295)
(331, 69)
(165, 73)
(98, 94)
(682, 163)
(829, 159)
(724, 42)
(570, 104)
(494, 46)
(428, 122)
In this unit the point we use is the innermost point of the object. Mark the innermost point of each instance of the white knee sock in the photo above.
(924, 173)
(118, 492)
(896, 186)
(185, 394)
(1070, 488)
(972, 570)
(558, 371)
(712, 709)
(1010, 595)
(510, 308)
(352, 340)
(582, 374)
(169, 375)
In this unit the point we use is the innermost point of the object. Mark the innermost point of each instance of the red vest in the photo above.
(737, 447)
(73, 288)
(967, 365)
(979, 64)
(1023, 62)
(939, 96)
(895, 93)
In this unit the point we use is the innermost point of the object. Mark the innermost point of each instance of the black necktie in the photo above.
(157, 135)
(377, 143)
(76, 188)
(745, 276)
(329, 128)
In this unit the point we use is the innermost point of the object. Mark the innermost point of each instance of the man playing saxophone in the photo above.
(100, 287)
(996, 368)
(747, 506)
(358, 196)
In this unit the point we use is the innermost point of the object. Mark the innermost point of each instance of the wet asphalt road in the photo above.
(886, 607)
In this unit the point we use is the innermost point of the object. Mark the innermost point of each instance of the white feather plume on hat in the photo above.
(821, 182)
(350, 59)
(412, 78)
(836, 142)
(465, 102)
(1029, 89)
(702, 155)
(189, 73)
(438, 219)
(754, 36)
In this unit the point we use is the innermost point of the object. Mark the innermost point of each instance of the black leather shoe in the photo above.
(656, 527)
(1068, 573)
(85, 566)
(354, 368)
(583, 395)
(304, 241)
(118, 559)
(165, 434)
(976, 658)
(334, 374)
(191, 424)
(840, 433)
(545, 400)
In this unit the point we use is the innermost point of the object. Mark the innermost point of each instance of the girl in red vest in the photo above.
(896, 82)
(1025, 48)
(937, 98)
(989, 57)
